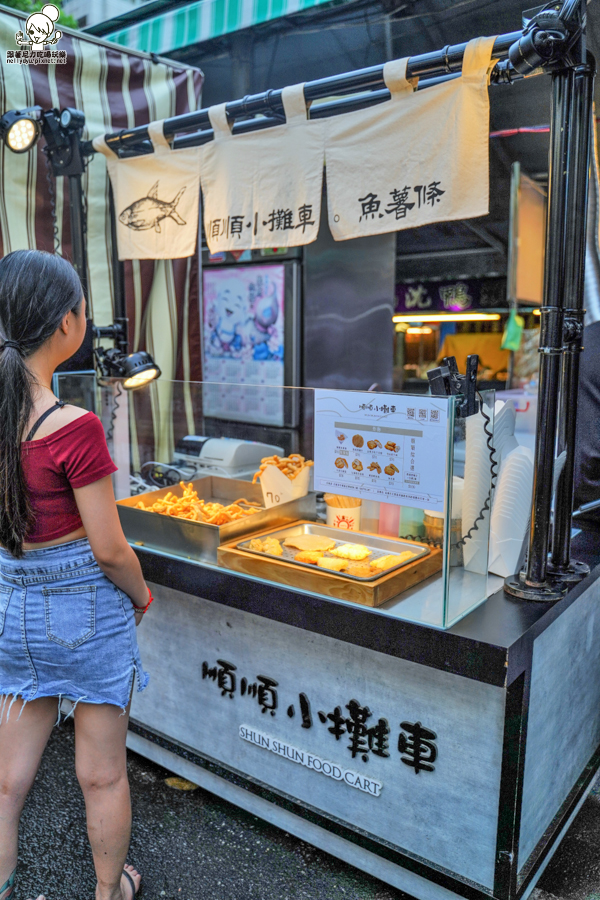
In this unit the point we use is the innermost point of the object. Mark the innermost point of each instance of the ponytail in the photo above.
(37, 290)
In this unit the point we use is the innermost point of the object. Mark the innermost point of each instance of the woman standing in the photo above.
(71, 588)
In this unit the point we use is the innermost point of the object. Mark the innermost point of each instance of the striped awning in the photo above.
(206, 19)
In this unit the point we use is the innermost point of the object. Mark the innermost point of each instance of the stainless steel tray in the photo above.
(378, 546)
(196, 540)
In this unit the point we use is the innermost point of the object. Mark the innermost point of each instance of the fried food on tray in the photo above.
(358, 440)
(354, 552)
(268, 545)
(372, 444)
(336, 565)
(189, 506)
(357, 465)
(290, 465)
(374, 467)
(341, 463)
(391, 469)
(392, 559)
(360, 569)
(309, 556)
(390, 445)
(309, 542)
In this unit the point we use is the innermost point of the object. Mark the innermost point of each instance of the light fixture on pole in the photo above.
(20, 129)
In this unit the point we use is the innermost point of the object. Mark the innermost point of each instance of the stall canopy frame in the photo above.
(538, 49)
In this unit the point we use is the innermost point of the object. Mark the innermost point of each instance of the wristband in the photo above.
(143, 609)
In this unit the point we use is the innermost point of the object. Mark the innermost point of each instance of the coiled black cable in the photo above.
(494, 475)
(113, 414)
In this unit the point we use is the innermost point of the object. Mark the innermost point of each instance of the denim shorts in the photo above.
(66, 630)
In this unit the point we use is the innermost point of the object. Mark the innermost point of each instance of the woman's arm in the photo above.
(98, 511)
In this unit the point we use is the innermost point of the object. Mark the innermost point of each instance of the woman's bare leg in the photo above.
(101, 765)
(22, 741)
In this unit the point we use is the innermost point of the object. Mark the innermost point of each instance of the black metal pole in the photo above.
(118, 269)
(78, 230)
(580, 134)
(427, 65)
(534, 584)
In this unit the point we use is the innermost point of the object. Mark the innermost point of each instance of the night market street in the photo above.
(193, 846)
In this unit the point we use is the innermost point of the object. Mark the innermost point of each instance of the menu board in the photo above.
(387, 447)
(243, 343)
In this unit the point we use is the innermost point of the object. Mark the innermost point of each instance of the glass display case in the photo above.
(381, 499)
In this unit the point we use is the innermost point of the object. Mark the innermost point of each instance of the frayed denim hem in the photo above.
(137, 673)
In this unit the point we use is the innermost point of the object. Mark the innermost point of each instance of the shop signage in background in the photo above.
(263, 189)
(421, 157)
(243, 343)
(457, 295)
(386, 447)
(157, 198)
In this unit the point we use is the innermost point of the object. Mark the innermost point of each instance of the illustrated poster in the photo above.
(386, 447)
(243, 335)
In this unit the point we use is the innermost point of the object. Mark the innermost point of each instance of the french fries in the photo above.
(189, 506)
(290, 465)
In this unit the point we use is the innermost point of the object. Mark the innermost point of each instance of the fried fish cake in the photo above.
(354, 552)
(391, 469)
(360, 569)
(373, 444)
(336, 565)
(309, 556)
(392, 447)
(392, 559)
(341, 463)
(268, 545)
(358, 440)
(357, 465)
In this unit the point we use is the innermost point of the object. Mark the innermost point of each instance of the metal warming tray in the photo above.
(195, 540)
(378, 546)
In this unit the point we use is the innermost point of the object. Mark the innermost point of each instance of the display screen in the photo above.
(243, 343)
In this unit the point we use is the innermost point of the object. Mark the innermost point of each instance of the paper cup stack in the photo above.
(504, 429)
(512, 507)
(343, 512)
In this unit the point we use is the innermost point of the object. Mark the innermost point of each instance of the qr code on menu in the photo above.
(410, 412)
(434, 415)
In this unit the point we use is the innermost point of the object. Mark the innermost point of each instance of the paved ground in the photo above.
(192, 846)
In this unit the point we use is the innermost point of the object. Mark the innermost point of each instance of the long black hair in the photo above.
(37, 290)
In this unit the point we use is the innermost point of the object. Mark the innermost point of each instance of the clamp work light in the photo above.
(20, 129)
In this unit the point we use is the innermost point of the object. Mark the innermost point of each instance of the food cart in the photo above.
(429, 723)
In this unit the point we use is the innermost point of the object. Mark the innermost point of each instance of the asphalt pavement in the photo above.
(190, 845)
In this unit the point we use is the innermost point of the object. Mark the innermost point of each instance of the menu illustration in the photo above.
(387, 447)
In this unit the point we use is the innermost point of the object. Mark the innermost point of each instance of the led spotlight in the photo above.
(139, 369)
(135, 370)
(20, 131)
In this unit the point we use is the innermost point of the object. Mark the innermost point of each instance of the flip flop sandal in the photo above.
(131, 882)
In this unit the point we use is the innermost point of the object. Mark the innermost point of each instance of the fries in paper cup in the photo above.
(283, 479)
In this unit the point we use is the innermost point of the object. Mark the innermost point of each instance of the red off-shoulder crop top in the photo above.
(70, 457)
